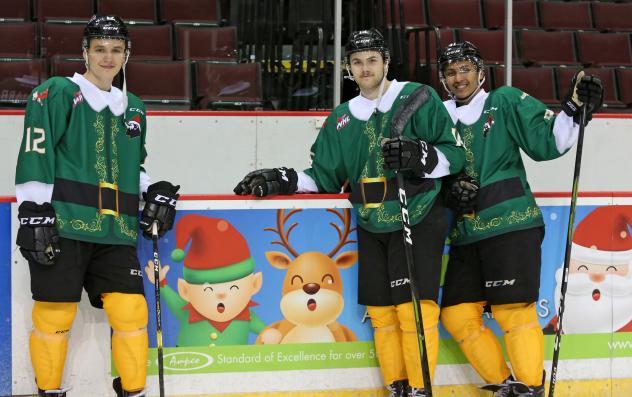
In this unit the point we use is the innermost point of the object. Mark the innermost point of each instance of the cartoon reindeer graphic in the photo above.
(312, 289)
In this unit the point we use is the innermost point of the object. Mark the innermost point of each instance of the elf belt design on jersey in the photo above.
(499, 191)
(372, 192)
(106, 197)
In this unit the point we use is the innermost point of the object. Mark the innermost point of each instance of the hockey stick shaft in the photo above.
(414, 291)
(161, 376)
(567, 252)
(401, 117)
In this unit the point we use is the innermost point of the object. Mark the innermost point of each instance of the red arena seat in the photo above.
(228, 86)
(536, 81)
(491, 43)
(455, 13)
(161, 83)
(559, 15)
(61, 39)
(132, 12)
(203, 12)
(18, 40)
(15, 11)
(151, 42)
(525, 14)
(614, 17)
(556, 48)
(67, 11)
(207, 43)
(18, 78)
(604, 49)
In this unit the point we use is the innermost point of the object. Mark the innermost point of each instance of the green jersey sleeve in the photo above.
(45, 122)
(530, 124)
(327, 166)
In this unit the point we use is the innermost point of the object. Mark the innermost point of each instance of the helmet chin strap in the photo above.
(382, 84)
(125, 82)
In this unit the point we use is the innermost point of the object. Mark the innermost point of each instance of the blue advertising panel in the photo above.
(5, 299)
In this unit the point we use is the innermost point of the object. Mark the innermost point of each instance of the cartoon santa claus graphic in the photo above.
(599, 293)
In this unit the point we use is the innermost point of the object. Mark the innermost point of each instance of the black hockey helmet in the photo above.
(461, 51)
(367, 40)
(105, 27)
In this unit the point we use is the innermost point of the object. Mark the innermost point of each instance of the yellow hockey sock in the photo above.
(477, 342)
(48, 341)
(524, 340)
(410, 341)
(388, 342)
(128, 318)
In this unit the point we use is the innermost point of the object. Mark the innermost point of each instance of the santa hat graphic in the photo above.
(603, 236)
(218, 252)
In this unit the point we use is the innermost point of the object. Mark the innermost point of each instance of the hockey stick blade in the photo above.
(407, 108)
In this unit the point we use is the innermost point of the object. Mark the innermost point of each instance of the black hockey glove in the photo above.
(160, 206)
(268, 182)
(583, 90)
(403, 153)
(37, 236)
(461, 194)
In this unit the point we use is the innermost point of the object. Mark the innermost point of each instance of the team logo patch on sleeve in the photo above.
(77, 99)
(342, 121)
(133, 126)
(40, 96)
(488, 124)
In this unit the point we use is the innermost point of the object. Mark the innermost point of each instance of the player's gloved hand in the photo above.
(403, 153)
(462, 193)
(160, 206)
(37, 236)
(268, 182)
(583, 90)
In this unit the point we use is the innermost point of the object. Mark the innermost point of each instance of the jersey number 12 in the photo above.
(36, 140)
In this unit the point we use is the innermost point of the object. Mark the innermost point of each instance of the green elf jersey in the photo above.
(494, 127)
(348, 149)
(78, 153)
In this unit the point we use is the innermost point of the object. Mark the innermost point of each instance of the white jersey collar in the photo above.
(99, 99)
(470, 113)
(362, 108)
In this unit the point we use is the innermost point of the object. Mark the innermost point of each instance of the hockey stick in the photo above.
(567, 252)
(161, 376)
(400, 118)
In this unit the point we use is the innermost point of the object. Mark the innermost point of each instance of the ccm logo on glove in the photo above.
(166, 200)
(38, 220)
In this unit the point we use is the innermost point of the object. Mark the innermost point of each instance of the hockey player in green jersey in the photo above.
(354, 145)
(495, 253)
(78, 180)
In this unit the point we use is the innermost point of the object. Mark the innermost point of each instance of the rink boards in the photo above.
(595, 363)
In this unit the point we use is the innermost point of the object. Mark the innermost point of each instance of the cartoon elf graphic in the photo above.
(213, 303)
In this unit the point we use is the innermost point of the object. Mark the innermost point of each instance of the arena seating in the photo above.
(207, 44)
(537, 82)
(284, 50)
(18, 78)
(18, 40)
(525, 14)
(64, 11)
(226, 86)
(571, 15)
(134, 12)
(15, 11)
